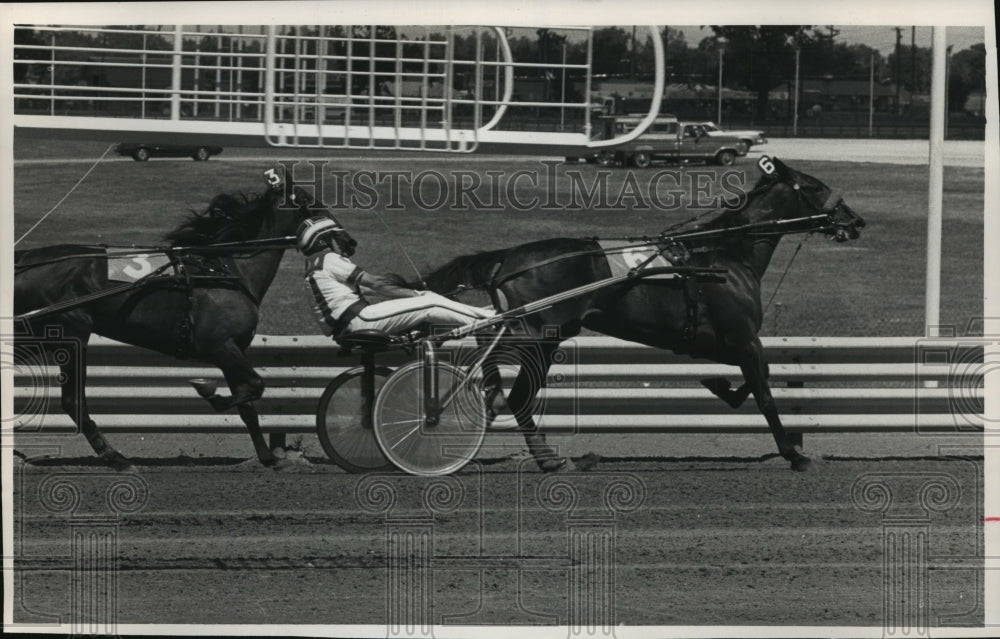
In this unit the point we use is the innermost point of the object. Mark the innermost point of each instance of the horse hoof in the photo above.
(801, 464)
(116, 460)
(717, 385)
(552, 465)
(205, 387)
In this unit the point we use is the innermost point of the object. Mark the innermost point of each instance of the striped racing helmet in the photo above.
(314, 234)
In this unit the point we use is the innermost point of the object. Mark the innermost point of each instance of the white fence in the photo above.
(370, 87)
(602, 385)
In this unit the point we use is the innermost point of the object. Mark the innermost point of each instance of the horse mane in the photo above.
(228, 218)
(465, 270)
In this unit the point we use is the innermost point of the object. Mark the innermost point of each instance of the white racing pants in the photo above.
(399, 315)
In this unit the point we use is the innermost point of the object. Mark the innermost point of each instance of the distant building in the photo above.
(837, 94)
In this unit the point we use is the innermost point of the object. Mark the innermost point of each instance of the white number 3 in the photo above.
(272, 177)
(144, 267)
(766, 165)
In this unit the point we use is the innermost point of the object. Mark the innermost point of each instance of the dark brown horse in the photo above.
(209, 312)
(716, 321)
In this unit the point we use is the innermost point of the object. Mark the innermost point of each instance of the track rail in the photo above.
(599, 385)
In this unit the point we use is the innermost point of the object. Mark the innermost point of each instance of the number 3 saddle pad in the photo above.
(132, 267)
(624, 255)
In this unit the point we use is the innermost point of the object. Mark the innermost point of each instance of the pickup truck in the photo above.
(668, 140)
(748, 137)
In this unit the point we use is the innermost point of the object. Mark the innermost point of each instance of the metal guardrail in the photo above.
(598, 385)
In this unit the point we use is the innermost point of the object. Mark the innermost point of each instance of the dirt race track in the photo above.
(678, 542)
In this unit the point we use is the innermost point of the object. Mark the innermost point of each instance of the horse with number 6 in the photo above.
(197, 298)
(716, 321)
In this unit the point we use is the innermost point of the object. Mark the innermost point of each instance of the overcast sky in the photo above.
(879, 37)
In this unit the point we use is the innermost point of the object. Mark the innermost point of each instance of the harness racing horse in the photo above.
(211, 318)
(717, 321)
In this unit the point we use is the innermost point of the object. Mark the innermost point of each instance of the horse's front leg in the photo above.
(723, 389)
(246, 386)
(755, 373)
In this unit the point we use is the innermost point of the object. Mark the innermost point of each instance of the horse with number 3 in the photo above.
(198, 298)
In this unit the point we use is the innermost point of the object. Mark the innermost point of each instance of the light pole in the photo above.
(947, 70)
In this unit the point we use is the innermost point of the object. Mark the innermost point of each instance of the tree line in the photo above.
(756, 58)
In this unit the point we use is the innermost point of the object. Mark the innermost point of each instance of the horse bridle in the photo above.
(826, 215)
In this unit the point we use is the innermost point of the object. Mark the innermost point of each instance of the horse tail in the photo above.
(475, 270)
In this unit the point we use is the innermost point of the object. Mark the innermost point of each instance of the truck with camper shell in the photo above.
(666, 140)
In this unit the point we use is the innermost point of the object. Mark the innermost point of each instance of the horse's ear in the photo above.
(300, 197)
(783, 169)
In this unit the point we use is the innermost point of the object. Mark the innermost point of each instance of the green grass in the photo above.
(873, 286)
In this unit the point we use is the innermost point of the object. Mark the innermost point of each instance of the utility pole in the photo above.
(895, 73)
(913, 59)
(718, 115)
(871, 96)
(795, 102)
(632, 57)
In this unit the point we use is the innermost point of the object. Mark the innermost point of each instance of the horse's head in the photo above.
(297, 205)
(814, 199)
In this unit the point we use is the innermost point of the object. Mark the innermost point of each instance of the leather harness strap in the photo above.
(339, 325)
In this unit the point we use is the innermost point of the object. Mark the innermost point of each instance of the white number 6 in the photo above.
(633, 258)
(766, 165)
(272, 177)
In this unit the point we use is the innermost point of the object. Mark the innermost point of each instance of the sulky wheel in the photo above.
(413, 444)
(347, 438)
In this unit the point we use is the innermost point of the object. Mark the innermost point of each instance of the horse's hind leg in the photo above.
(246, 386)
(74, 403)
(530, 380)
(492, 384)
(755, 372)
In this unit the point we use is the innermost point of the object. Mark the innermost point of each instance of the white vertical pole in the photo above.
(218, 74)
(270, 65)
(52, 75)
(562, 93)
(935, 188)
(142, 104)
(197, 80)
(871, 97)
(175, 95)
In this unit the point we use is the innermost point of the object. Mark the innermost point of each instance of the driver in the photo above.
(336, 284)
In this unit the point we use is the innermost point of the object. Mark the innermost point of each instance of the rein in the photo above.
(781, 280)
(227, 248)
(771, 228)
(68, 193)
